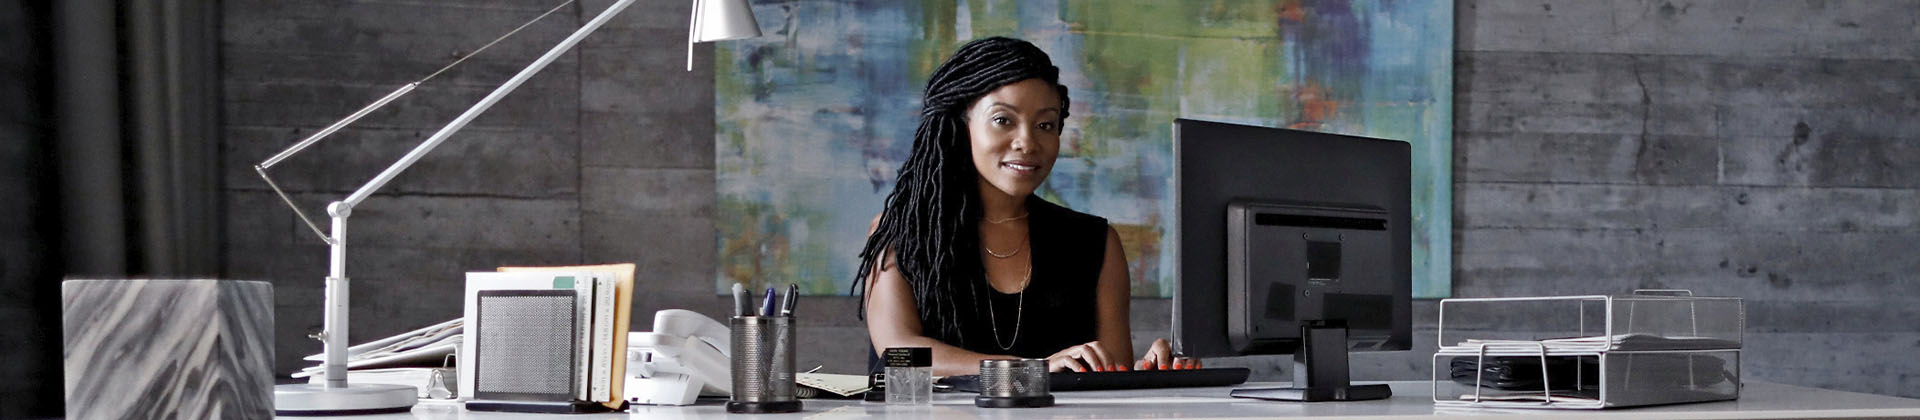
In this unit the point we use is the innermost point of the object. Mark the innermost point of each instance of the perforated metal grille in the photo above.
(763, 359)
(526, 345)
(1013, 378)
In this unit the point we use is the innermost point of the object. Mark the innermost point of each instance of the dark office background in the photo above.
(1757, 149)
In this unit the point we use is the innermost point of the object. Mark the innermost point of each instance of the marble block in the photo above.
(148, 349)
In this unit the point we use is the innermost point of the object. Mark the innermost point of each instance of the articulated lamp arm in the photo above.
(336, 395)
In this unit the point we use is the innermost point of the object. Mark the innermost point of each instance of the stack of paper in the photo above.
(1618, 342)
(845, 386)
(424, 347)
(410, 359)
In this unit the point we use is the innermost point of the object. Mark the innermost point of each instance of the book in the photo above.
(600, 389)
(583, 338)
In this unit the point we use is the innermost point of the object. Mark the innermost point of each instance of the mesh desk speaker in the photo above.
(526, 352)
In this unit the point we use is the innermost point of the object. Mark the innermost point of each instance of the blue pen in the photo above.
(767, 308)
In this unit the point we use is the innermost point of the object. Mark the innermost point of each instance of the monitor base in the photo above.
(1320, 369)
(1338, 393)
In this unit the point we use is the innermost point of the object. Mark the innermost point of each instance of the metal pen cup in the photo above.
(1013, 383)
(763, 365)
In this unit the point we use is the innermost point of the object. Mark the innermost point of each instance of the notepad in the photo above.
(845, 386)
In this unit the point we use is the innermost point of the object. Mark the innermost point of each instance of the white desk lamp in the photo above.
(713, 20)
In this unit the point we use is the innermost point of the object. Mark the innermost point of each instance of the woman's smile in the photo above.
(1021, 167)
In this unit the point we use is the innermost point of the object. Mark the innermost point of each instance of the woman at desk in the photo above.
(966, 260)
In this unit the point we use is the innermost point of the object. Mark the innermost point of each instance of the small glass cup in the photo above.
(909, 375)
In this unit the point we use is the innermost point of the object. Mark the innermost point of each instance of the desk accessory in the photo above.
(712, 20)
(612, 324)
(1013, 383)
(763, 365)
(539, 342)
(909, 375)
(876, 387)
(167, 348)
(1646, 348)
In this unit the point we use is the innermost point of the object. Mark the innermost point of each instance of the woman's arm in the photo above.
(894, 321)
(1112, 303)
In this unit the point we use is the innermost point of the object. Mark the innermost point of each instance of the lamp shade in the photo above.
(720, 20)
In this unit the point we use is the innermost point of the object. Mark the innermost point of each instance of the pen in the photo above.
(742, 303)
(793, 296)
(766, 309)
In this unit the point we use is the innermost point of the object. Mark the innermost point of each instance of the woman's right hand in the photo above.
(1160, 357)
(1081, 358)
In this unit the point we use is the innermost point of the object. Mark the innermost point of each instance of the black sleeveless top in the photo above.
(1068, 250)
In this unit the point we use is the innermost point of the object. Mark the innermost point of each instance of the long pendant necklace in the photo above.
(1019, 308)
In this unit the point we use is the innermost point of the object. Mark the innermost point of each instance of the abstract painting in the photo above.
(814, 118)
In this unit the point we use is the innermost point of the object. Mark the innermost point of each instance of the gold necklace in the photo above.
(1016, 250)
(1019, 308)
(1000, 221)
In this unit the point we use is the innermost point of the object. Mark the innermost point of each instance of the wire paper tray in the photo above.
(1588, 352)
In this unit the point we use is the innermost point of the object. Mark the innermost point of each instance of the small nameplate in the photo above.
(909, 357)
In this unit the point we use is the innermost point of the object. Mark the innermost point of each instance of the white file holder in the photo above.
(1591, 352)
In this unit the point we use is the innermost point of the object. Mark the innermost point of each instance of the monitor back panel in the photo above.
(1219, 164)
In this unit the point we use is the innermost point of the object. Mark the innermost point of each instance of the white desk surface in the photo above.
(1411, 399)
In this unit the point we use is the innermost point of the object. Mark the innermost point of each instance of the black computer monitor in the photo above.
(1291, 242)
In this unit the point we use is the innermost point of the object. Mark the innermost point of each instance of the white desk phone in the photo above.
(685, 356)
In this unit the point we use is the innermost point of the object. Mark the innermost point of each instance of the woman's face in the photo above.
(1015, 131)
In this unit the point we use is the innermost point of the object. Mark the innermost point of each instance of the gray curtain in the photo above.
(109, 164)
(29, 290)
(137, 136)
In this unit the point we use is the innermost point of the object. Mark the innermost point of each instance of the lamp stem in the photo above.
(481, 107)
(334, 330)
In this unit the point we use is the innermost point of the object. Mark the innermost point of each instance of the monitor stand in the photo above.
(1320, 370)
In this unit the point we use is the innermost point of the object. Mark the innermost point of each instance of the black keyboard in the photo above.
(1095, 381)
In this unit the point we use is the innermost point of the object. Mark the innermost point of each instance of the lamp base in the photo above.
(318, 400)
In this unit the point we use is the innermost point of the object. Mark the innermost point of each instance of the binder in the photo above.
(601, 369)
(583, 345)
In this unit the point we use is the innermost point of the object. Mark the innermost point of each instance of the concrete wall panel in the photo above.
(1754, 149)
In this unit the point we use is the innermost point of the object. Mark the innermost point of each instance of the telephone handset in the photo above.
(685, 323)
(684, 357)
